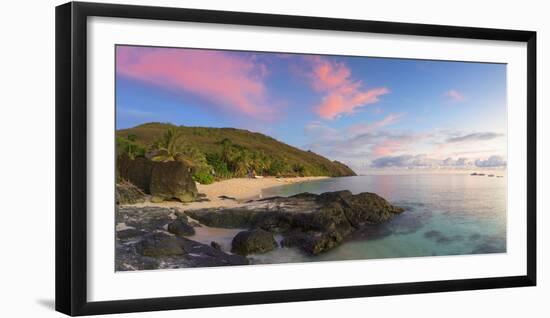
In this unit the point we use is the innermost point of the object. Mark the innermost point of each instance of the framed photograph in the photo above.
(209, 158)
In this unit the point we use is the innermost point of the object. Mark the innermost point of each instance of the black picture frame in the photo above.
(71, 157)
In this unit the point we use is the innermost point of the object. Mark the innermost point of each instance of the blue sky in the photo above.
(370, 113)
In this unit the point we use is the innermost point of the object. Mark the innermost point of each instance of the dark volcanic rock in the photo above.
(172, 180)
(216, 245)
(129, 233)
(180, 227)
(368, 208)
(224, 218)
(159, 250)
(137, 171)
(159, 244)
(127, 193)
(315, 223)
(202, 255)
(313, 243)
(145, 218)
(253, 242)
(145, 244)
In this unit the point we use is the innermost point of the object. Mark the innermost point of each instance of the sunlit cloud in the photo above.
(232, 82)
(342, 95)
(373, 146)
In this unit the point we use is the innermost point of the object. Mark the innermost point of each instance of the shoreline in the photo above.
(240, 189)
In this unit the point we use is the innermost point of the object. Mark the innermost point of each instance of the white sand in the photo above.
(242, 189)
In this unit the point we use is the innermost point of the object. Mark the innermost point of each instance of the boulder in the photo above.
(172, 180)
(314, 223)
(128, 233)
(144, 218)
(127, 193)
(368, 208)
(202, 255)
(137, 171)
(180, 227)
(159, 244)
(143, 243)
(313, 243)
(253, 242)
(225, 218)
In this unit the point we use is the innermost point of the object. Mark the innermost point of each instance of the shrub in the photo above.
(203, 176)
(221, 170)
(129, 146)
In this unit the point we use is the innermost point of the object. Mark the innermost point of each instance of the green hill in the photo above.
(219, 153)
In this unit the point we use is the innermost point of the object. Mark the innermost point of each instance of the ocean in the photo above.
(446, 214)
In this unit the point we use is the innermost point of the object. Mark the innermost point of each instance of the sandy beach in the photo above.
(241, 189)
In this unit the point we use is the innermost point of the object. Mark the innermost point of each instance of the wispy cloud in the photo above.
(474, 137)
(371, 146)
(233, 82)
(356, 145)
(454, 95)
(342, 94)
(368, 127)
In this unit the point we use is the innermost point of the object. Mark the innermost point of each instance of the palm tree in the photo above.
(168, 147)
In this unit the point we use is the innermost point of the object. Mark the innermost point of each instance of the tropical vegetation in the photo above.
(221, 153)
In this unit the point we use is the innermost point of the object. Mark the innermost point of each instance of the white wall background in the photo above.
(27, 158)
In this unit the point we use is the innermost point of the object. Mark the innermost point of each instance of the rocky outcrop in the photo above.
(255, 241)
(153, 238)
(127, 193)
(137, 171)
(181, 227)
(314, 223)
(363, 208)
(171, 180)
(158, 244)
(313, 243)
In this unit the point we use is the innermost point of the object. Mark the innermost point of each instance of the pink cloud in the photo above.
(386, 121)
(397, 144)
(387, 148)
(342, 94)
(454, 95)
(229, 81)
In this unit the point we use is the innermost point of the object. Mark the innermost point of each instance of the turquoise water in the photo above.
(446, 214)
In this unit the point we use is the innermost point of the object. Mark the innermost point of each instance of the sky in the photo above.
(370, 113)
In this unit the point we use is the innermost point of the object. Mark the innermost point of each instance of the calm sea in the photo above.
(446, 214)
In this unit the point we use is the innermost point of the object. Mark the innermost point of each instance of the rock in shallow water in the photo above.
(253, 242)
(314, 223)
(313, 244)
